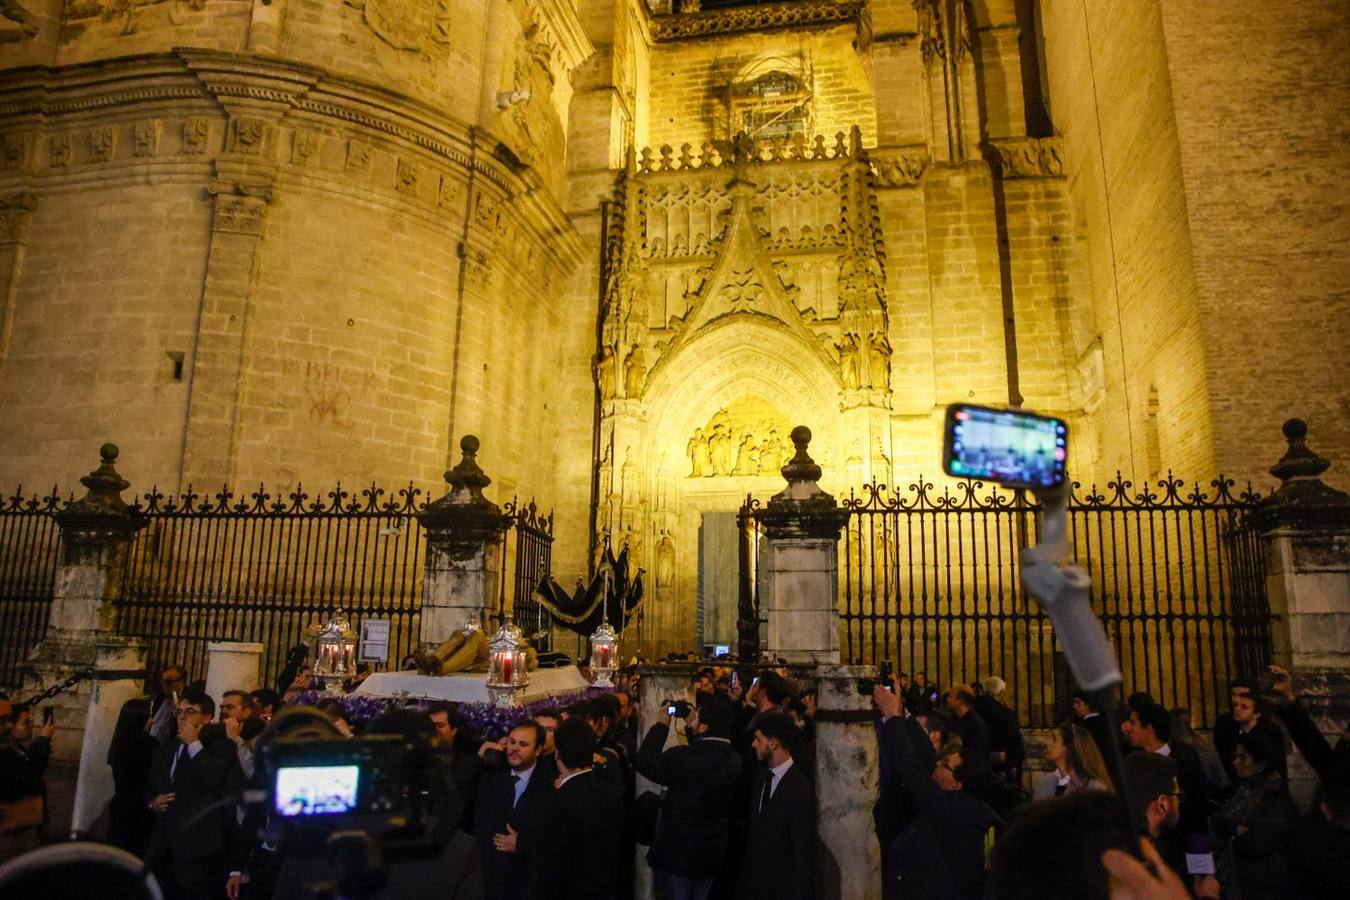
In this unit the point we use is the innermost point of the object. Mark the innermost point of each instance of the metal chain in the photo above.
(62, 687)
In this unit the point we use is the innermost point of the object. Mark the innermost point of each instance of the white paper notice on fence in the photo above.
(374, 640)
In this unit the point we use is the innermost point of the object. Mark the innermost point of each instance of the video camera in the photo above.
(392, 790)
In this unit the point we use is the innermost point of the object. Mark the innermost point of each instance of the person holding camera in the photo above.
(187, 776)
(576, 850)
(780, 851)
(694, 823)
(940, 852)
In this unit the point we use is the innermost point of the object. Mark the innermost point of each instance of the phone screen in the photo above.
(1017, 449)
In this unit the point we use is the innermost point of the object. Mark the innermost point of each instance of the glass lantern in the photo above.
(335, 654)
(508, 670)
(604, 654)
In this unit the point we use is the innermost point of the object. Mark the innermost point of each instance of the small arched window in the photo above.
(775, 105)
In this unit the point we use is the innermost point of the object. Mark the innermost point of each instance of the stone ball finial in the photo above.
(108, 453)
(466, 475)
(1299, 461)
(801, 467)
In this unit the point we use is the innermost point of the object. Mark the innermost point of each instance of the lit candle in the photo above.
(506, 668)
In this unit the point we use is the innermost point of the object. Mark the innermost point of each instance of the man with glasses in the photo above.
(189, 774)
(163, 725)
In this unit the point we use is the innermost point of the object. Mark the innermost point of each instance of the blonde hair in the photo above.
(1083, 756)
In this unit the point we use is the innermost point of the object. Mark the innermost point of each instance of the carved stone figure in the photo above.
(604, 373)
(635, 373)
(665, 562)
(606, 475)
(747, 456)
(719, 446)
(771, 454)
(848, 361)
(700, 462)
(628, 478)
(879, 360)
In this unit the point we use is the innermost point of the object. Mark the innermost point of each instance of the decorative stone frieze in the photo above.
(414, 25)
(17, 151)
(16, 212)
(240, 209)
(196, 129)
(145, 137)
(102, 143)
(753, 18)
(1029, 157)
(899, 167)
(61, 150)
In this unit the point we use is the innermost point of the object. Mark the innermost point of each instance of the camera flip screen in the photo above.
(1012, 448)
(316, 790)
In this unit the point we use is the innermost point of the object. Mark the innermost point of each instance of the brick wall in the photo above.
(1111, 98)
(1260, 99)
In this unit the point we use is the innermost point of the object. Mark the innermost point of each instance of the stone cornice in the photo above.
(262, 94)
(681, 26)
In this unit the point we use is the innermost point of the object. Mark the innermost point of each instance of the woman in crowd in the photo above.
(130, 752)
(1078, 764)
(1252, 824)
(1183, 733)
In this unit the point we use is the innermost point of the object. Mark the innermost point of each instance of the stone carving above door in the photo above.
(748, 436)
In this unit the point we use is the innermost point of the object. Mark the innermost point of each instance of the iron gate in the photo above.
(29, 550)
(930, 580)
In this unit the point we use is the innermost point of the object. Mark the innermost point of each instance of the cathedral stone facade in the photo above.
(630, 246)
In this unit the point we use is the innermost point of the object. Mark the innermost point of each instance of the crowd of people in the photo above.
(1207, 819)
(727, 807)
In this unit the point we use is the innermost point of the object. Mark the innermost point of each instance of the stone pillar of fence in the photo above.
(1305, 527)
(119, 676)
(95, 531)
(799, 593)
(463, 530)
(799, 589)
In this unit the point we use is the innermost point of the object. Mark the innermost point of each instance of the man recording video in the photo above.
(700, 779)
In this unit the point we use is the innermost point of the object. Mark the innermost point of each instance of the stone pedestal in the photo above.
(119, 676)
(1305, 529)
(232, 666)
(464, 531)
(94, 534)
(799, 585)
(847, 773)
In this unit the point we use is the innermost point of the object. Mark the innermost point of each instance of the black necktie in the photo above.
(515, 782)
(765, 794)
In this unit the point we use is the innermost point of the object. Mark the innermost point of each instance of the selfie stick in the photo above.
(1063, 591)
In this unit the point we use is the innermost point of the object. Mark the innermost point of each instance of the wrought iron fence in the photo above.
(531, 553)
(930, 581)
(263, 568)
(29, 549)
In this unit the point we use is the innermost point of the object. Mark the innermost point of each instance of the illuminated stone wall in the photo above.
(312, 240)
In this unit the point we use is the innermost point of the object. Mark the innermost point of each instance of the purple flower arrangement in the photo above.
(483, 720)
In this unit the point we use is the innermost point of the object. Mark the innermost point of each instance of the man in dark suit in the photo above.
(508, 810)
(1151, 731)
(576, 849)
(966, 722)
(700, 778)
(187, 775)
(1089, 715)
(780, 853)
